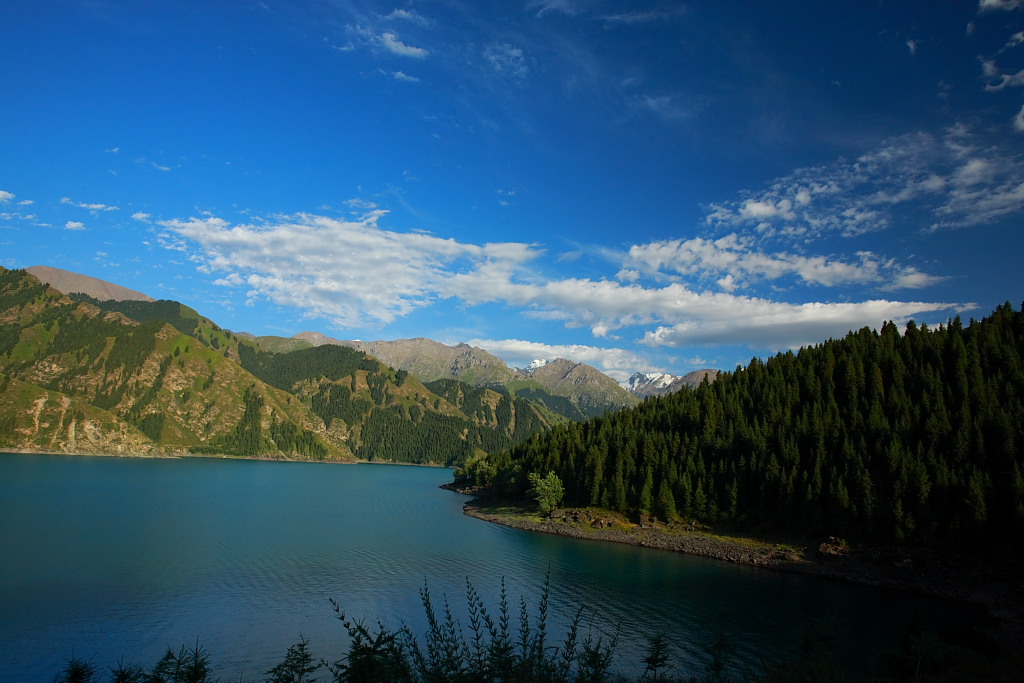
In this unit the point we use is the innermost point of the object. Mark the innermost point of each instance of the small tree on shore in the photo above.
(547, 491)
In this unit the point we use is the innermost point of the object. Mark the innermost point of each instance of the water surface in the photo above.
(111, 558)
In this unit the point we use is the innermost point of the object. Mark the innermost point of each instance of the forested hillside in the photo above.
(82, 375)
(388, 414)
(877, 436)
(79, 378)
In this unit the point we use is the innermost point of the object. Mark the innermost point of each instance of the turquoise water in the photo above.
(111, 558)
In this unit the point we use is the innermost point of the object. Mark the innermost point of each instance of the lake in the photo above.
(120, 558)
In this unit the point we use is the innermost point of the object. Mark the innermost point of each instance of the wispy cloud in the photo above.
(989, 5)
(667, 107)
(74, 225)
(507, 59)
(569, 7)
(642, 17)
(143, 161)
(90, 207)
(395, 46)
(402, 76)
(407, 15)
(6, 196)
(952, 180)
(773, 325)
(374, 38)
(1001, 81)
(733, 260)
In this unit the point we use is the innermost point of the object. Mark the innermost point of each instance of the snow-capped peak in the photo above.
(650, 380)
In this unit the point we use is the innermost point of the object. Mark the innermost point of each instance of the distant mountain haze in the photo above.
(66, 282)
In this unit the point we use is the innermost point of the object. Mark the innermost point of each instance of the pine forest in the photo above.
(880, 436)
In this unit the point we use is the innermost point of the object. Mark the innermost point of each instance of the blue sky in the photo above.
(654, 186)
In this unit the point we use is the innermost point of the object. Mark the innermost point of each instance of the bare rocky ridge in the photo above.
(430, 360)
(586, 384)
(66, 282)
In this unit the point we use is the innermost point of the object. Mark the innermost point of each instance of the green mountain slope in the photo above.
(879, 436)
(177, 392)
(387, 414)
(157, 377)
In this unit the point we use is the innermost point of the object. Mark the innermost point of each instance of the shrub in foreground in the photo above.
(501, 647)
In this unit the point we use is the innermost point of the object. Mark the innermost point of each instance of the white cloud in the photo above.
(90, 207)
(74, 225)
(404, 77)
(395, 46)
(912, 278)
(140, 216)
(1018, 121)
(353, 273)
(6, 196)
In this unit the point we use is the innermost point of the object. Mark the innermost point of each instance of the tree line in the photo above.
(880, 436)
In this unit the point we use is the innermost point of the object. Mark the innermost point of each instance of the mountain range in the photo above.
(581, 391)
(586, 387)
(83, 375)
(95, 367)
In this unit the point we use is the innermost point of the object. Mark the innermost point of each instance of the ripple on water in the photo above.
(244, 556)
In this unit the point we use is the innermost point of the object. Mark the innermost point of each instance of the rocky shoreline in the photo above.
(997, 587)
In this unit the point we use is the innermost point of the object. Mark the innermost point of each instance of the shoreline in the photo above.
(181, 455)
(997, 589)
